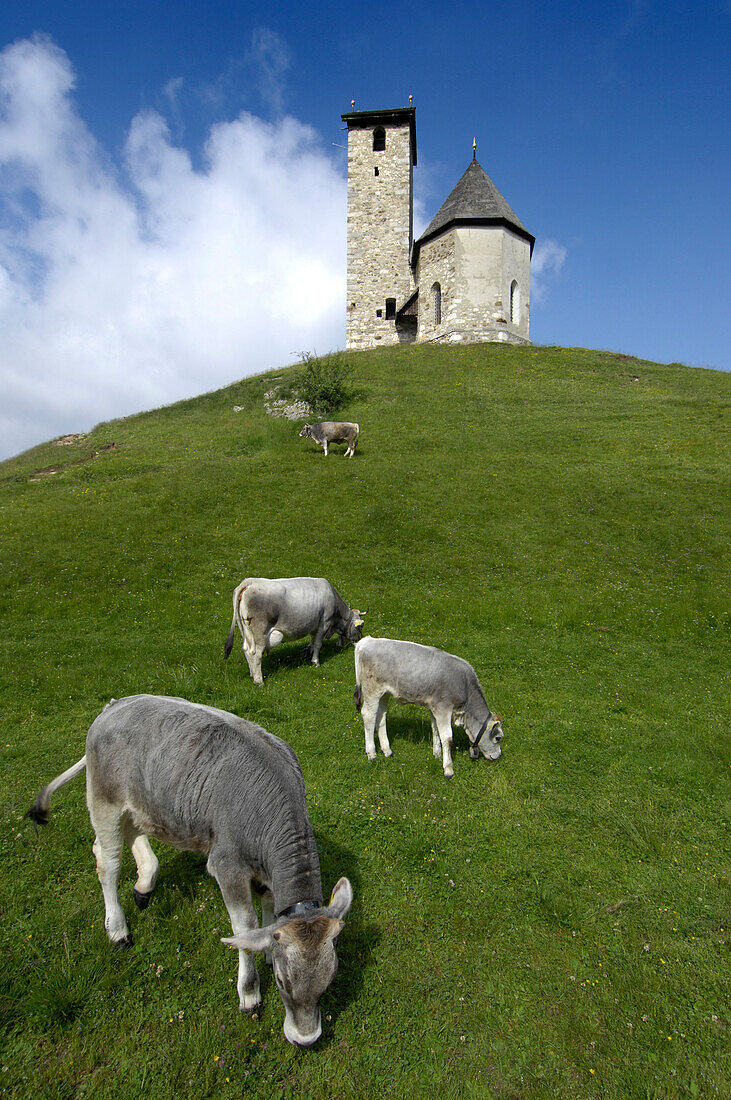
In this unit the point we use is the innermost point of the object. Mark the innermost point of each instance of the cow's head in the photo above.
(307, 430)
(303, 960)
(490, 740)
(354, 625)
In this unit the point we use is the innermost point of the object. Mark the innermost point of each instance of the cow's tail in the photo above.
(234, 622)
(240, 622)
(40, 809)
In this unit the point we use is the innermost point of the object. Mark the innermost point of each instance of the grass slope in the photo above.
(553, 925)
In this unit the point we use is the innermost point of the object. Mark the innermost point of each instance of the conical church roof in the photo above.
(474, 201)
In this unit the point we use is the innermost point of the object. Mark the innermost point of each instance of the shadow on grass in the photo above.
(290, 656)
(335, 451)
(415, 729)
(358, 939)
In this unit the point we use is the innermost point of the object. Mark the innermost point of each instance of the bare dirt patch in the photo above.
(48, 471)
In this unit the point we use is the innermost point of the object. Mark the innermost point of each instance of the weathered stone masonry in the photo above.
(467, 278)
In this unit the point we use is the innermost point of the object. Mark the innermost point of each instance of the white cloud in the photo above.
(548, 259)
(126, 286)
(269, 54)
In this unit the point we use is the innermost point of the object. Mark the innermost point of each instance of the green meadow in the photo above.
(552, 925)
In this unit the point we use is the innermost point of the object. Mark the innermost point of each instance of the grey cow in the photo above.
(268, 611)
(447, 685)
(333, 431)
(207, 781)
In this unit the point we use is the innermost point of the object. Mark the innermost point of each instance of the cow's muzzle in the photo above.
(292, 1035)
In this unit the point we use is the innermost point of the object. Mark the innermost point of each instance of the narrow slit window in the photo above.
(514, 303)
(375, 171)
(436, 295)
(379, 139)
(390, 309)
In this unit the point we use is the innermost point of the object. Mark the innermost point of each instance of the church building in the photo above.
(465, 279)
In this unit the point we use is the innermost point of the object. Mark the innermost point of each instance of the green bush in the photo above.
(322, 383)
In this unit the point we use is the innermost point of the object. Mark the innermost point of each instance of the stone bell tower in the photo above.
(381, 158)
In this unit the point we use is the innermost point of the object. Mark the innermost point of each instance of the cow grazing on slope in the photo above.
(333, 431)
(447, 685)
(268, 611)
(207, 781)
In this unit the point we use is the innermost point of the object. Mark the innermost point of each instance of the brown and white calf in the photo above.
(208, 781)
(386, 668)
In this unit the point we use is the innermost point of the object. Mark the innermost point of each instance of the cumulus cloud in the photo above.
(548, 259)
(126, 286)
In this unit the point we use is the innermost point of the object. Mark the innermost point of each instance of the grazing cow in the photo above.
(268, 611)
(413, 673)
(207, 781)
(333, 431)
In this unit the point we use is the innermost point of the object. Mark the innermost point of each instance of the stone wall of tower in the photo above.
(474, 267)
(380, 230)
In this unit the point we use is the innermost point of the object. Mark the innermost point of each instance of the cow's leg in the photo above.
(444, 725)
(235, 887)
(436, 739)
(369, 714)
(147, 864)
(255, 644)
(106, 820)
(253, 659)
(324, 446)
(381, 726)
(313, 649)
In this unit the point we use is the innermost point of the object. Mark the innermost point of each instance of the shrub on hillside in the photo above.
(322, 383)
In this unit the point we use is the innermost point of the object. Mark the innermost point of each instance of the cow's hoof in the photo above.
(123, 944)
(254, 1012)
(388, 752)
(371, 755)
(449, 775)
(141, 900)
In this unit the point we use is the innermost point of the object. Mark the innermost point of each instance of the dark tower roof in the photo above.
(396, 116)
(474, 201)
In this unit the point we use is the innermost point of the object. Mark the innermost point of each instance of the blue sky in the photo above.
(172, 187)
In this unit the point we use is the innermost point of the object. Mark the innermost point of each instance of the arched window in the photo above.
(514, 303)
(379, 139)
(436, 297)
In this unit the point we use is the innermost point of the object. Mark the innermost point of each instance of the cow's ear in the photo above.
(253, 939)
(341, 899)
(335, 928)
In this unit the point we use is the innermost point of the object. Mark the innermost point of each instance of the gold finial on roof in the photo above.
(411, 99)
(474, 148)
(352, 104)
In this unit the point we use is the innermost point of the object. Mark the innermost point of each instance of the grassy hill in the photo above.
(552, 925)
